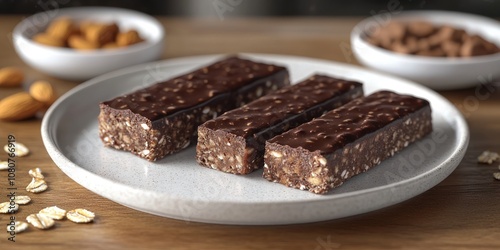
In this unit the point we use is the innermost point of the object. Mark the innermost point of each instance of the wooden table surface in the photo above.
(462, 212)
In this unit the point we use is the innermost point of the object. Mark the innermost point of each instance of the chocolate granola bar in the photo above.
(234, 142)
(163, 118)
(323, 153)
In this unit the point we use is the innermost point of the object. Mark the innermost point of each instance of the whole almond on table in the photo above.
(18, 107)
(11, 77)
(48, 40)
(43, 92)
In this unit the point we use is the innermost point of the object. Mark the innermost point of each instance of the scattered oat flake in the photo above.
(4, 165)
(37, 186)
(54, 212)
(497, 175)
(20, 149)
(40, 221)
(22, 199)
(80, 215)
(488, 157)
(19, 226)
(36, 173)
(6, 207)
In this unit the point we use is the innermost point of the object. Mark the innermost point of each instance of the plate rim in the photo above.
(57, 155)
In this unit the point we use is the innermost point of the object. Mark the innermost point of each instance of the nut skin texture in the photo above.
(421, 28)
(111, 45)
(19, 106)
(43, 92)
(84, 25)
(80, 43)
(427, 39)
(128, 38)
(11, 77)
(61, 28)
(48, 40)
(86, 35)
(101, 33)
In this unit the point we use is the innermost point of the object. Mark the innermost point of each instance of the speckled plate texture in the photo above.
(177, 187)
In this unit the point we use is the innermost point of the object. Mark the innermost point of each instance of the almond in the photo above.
(61, 28)
(48, 40)
(128, 38)
(80, 43)
(111, 45)
(101, 33)
(11, 77)
(85, 25)
(43, 92)
(18, 107)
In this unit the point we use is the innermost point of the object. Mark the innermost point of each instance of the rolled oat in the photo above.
(19, 226)
(4, 165)
(6, 207)
(80, 215)
(36, 173)
(496, 175)
(53, 212)
(20, 149)
(22, 199)
(488, 157)
(40, 221)
(37, 186)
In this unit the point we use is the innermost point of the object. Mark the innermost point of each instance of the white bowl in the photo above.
(72, 64)
(434, 72)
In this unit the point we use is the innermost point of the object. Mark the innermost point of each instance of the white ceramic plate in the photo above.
(177, 187)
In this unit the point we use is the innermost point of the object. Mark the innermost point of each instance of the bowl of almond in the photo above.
(84, 42)
(440, 49)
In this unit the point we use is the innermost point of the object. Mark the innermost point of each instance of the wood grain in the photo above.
(462, 212)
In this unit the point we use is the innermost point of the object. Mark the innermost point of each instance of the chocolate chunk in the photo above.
(234, 142)
(323, 153)
(163, 118)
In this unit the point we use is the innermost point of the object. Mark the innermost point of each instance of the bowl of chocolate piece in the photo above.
(440, 49)
(84, 42)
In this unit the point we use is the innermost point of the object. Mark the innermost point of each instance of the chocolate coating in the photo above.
(284, 103)
(324, 153)
(350, 122)
(171, 96)
(163, 118)
(235, 141)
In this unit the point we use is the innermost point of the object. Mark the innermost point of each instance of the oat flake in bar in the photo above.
(234, 142)
(323, 153)
(163, 118)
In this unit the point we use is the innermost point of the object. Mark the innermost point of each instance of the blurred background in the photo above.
(210, 8)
